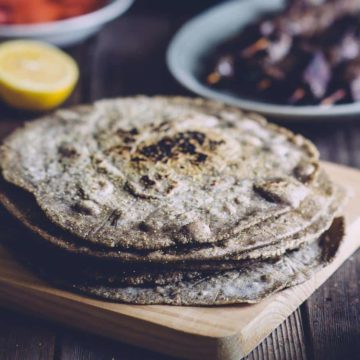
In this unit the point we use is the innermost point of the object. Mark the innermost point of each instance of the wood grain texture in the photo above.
(223, 333)
(22, 339)
(75, 345)
(331, 311)
(287, 341)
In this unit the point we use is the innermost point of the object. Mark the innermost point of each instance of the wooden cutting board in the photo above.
(227, 332)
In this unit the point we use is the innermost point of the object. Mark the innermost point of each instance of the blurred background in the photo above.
(127, 56)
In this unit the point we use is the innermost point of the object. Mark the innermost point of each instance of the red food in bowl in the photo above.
(38, 11)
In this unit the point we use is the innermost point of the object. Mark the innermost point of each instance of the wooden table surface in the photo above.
(127, 58)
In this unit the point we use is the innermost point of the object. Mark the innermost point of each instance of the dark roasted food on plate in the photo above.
(308, 54)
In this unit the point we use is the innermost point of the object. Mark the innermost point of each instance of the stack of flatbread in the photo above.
(169, 201)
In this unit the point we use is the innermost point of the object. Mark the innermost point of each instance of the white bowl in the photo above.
(203, 33)
(69, 31)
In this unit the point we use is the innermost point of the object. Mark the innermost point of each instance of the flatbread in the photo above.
(150, 173)
(90, 268)
(249, 285)
(22, 206)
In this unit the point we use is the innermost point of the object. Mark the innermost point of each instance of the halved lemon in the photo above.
(35, 75)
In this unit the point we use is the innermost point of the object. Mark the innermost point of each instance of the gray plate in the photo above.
(196, 38)
(69, 31)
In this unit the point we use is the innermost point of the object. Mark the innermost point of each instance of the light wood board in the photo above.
(227, 332)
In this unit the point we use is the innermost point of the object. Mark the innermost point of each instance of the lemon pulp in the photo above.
(34, 75)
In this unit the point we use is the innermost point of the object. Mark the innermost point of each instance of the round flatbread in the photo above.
(124, 266)
(250, 284)
(23, 207)
(150, 173)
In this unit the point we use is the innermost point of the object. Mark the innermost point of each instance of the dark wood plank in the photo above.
(23, 338)
(333, 315)
(74, 345)
(286, 342)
